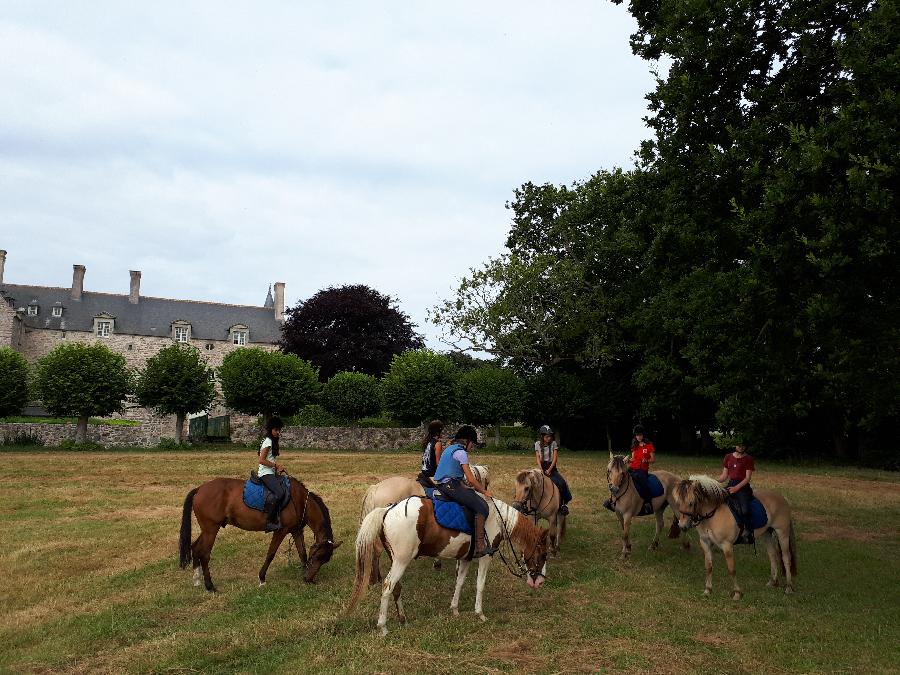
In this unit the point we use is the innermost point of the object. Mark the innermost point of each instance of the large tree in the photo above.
(176, 381)
(14, 374)
(83, 380)
(258, 382)
(348, 328)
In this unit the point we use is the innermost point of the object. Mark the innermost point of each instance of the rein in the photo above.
(697, 519)
(521, 568)
(537, 510)
(301, 520)
(626, 478)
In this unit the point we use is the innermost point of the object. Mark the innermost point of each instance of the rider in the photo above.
(453, 467)
(547, 452)
(737, 467)
(269, 469)
(642, 456)
(431, 453)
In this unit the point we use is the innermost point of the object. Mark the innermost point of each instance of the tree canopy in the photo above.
(348, 328)
(258, 382)
(14, 375)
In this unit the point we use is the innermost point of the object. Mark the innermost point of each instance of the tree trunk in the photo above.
(686, 437)
(608, 439)
(179, 427)
(497, 436)
(81, 429)
(556, 437)
(707, 444)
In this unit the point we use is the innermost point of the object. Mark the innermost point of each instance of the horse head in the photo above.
(536, 559)
(616, 473)
(319, 554)
(524, 490)
(697, 499)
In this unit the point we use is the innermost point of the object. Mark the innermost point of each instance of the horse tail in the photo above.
(368, 503)
(184, 541)
(369, 532)
(793, 549)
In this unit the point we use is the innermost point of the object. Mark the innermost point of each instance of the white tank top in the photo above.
(262, 469)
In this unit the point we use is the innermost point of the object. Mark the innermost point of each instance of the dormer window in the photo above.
(181, 331)
(104, 325)
(57, 311)
(32, 309)
(240, 335)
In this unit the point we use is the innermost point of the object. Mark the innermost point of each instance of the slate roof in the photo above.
(151, 316)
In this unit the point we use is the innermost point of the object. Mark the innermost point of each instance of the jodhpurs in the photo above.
(464, 496)
(274, 484)
(564, 492)
(743, 497)
(641, 483)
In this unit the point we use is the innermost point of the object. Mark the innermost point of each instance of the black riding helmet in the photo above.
(545, 429)
(638, 429)
(466, 433)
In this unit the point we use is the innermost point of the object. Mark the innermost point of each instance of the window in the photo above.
(182, 333)
(210, 346)
(104, 328)
(32, 310)
(239, 337)
(57, 312)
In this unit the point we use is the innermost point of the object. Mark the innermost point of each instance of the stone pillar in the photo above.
(279, 301)
(77, 281)
(2, 264)
(135, 294)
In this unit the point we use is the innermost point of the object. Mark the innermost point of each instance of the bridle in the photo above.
(696, 519)
(616, 496)
(536, 511)
(521, 567)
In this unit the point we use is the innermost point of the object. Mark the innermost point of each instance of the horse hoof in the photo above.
(382, 630)
(436, 564)
(773, 583)
(737, 595)
(262, 583)
(788, 590)
(653, 547)
(707, 592)
(482, 617)
(212, 589)
(402, 619)
(686, 546)
(454, 611)
(197, 583)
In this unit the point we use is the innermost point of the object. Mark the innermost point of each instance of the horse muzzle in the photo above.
(535, 580)
(614, 489)
(519, 506)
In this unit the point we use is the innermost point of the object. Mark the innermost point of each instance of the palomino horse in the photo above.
(397, 488)
(538, 496)
(220, 502)
(408, 530)
(627, 503)
(702, 503)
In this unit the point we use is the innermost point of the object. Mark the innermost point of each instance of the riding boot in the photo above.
(482, 547)
(273, 519)
(563, 509)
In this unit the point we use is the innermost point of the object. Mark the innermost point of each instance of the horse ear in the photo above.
(337, 544)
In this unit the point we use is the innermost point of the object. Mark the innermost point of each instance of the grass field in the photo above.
(88, 551)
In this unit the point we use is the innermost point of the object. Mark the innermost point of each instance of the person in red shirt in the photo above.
(642, 456)
(737, 467)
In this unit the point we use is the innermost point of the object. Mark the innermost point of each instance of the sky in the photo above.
(221, 146)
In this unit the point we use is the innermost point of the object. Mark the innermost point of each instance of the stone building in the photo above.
(35, 319)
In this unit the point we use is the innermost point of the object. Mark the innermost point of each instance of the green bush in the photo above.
(258, 382)
(14, 374)
(420, 386)
(168, 444)
(379, 422)
(83, 446)
(554, 397)
(21, 439)
(490, 395)
(314, 415)
(352, 395)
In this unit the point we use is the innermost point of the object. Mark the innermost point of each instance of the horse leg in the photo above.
(554, 535)
(462, 569)
(401, 615)
(626, 540)
(300, 543)
(398, 567)
(277, 538)
(708, 563)
(484, 562)
(659, 525)
(204, 546)
(774, 558)
(784, 540)
(728, 552)
(375, 575)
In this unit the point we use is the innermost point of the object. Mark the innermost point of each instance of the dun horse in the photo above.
(702, 503)
(395, 489)
(408, 530)
(627, 503)
(538, 496)
(220, 502)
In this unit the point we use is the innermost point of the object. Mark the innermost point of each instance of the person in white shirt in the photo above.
(269, 471)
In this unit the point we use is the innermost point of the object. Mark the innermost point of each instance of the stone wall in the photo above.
(247, 430)
(11, 327)
(147, 435)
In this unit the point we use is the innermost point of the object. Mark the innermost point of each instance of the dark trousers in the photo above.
(641, 480)
(743, 497)
(275, 485)
(564, 492)
(456, 491)
(424, 479)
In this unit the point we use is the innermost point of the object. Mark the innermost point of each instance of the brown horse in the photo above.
(537, 496)
(701, 502)
(627, 503)
(220, 502)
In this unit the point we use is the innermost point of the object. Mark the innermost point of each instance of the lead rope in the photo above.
(521, 569)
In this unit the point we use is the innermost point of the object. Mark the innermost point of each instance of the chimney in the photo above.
(2, 264)
(135, 293)
(77, 281)
(279, 301)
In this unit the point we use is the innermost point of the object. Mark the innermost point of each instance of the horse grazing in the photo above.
(408, 530)
(395, 489)
(220, 502)
(538, 496)
(627, 503)
(702, 503)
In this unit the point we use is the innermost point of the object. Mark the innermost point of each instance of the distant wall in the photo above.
(247, 430)
(146, 435)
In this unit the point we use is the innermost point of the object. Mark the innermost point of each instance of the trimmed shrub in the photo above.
(14, 373)
(490, 395)
(258, 382)
(352, 395)
(420, 386)
(314, 415)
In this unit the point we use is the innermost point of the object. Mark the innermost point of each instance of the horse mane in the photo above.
(524, 532)
(326, 516)
(708, 489)
(617, 462)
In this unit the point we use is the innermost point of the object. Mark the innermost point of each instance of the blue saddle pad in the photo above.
(255, 493)
(656, 488)
(758, 515)
(451, 515)
(429, 492)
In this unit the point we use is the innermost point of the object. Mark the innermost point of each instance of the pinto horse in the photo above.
(220, 502)
(627, 503)
(702, 503)
(409, 530)
(538, 496)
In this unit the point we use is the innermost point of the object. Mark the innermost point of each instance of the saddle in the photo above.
(758, 515)
(258, 497)
(449, 514)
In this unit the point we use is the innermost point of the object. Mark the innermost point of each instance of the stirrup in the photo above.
(564, 509)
